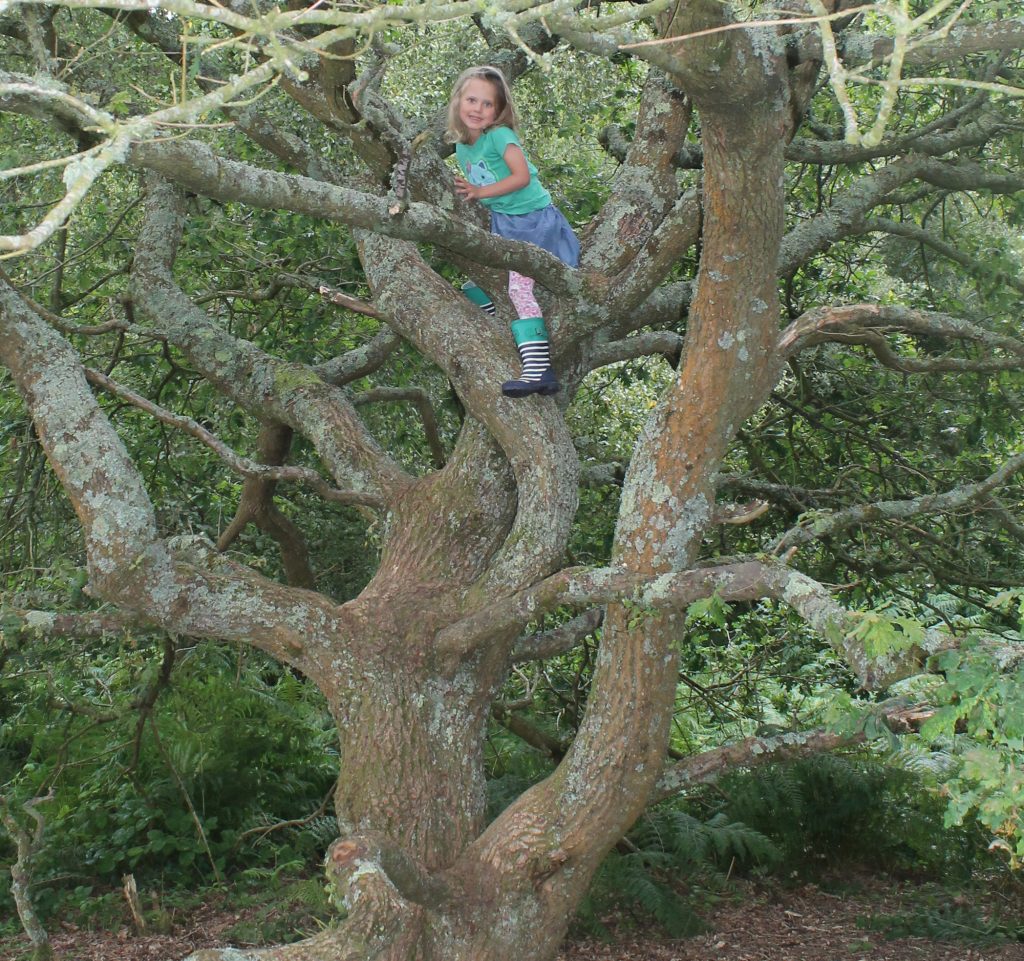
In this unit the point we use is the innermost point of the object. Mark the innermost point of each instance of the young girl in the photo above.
(482, 124)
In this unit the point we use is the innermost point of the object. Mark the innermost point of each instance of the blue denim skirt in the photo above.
(546, 228)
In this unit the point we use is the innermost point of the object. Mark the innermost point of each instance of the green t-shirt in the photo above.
(484, 164)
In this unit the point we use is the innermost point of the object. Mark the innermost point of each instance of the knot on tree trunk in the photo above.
(353, 868)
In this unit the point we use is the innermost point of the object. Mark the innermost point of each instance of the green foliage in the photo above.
(881, 633)
(984, 705)
(711, 609)
(752, 669)
(606, 418)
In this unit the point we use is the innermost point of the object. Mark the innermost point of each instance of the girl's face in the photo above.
(478, 106)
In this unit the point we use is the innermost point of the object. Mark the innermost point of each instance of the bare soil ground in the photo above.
(800, 924)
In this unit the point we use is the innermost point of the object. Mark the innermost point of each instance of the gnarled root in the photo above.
(381, 924)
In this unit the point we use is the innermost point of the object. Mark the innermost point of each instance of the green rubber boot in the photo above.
(537, 377)
(479, 297)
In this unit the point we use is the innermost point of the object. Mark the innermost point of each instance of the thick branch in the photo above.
(645, 186)
(754, 752)
(846, 216)
(964, 175)
(559, 640)
(676, 234)
(740, 581)
(665, 342)
(995, 36)
(602, 475)
(360, 361)
(89, 458)
(976, 131)
(203, 594)
(199, 169)
(549, 745)
(474, 352)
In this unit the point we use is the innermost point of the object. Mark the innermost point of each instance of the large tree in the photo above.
(744, 187)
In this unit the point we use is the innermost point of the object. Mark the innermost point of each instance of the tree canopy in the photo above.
(232, 326)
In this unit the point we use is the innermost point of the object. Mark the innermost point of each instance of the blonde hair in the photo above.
(505, 109)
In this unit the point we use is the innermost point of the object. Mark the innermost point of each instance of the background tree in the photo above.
(750, 233)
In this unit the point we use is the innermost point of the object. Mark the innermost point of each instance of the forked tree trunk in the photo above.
(410, 801)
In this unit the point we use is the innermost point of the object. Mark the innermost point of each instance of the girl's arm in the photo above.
(518, 178)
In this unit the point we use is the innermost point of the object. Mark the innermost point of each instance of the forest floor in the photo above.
(872, 920)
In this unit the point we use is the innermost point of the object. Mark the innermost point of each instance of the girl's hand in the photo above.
(466, 190)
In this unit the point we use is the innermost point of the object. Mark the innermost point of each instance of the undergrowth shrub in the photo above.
(652, 872)
(190, 792)
(838, 809)
(178, 794)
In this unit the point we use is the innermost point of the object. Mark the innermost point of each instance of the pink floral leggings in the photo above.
(520, 292)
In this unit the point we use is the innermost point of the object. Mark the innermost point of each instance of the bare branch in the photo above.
(738, 514)
(821, 524)
(58, 322)
(82, 171)
(20, 93)
(794, 498)
(420, 399)
(256, 505)
(871, 321)
(83, 625)
(264, 829)
(27, 844)
(342, 299)
(559, 640)
(549, 745)
(240, 465)
(926, 238)
(754, 752)
(665, 342)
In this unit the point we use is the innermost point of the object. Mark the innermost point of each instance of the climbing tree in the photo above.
(232, 227)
